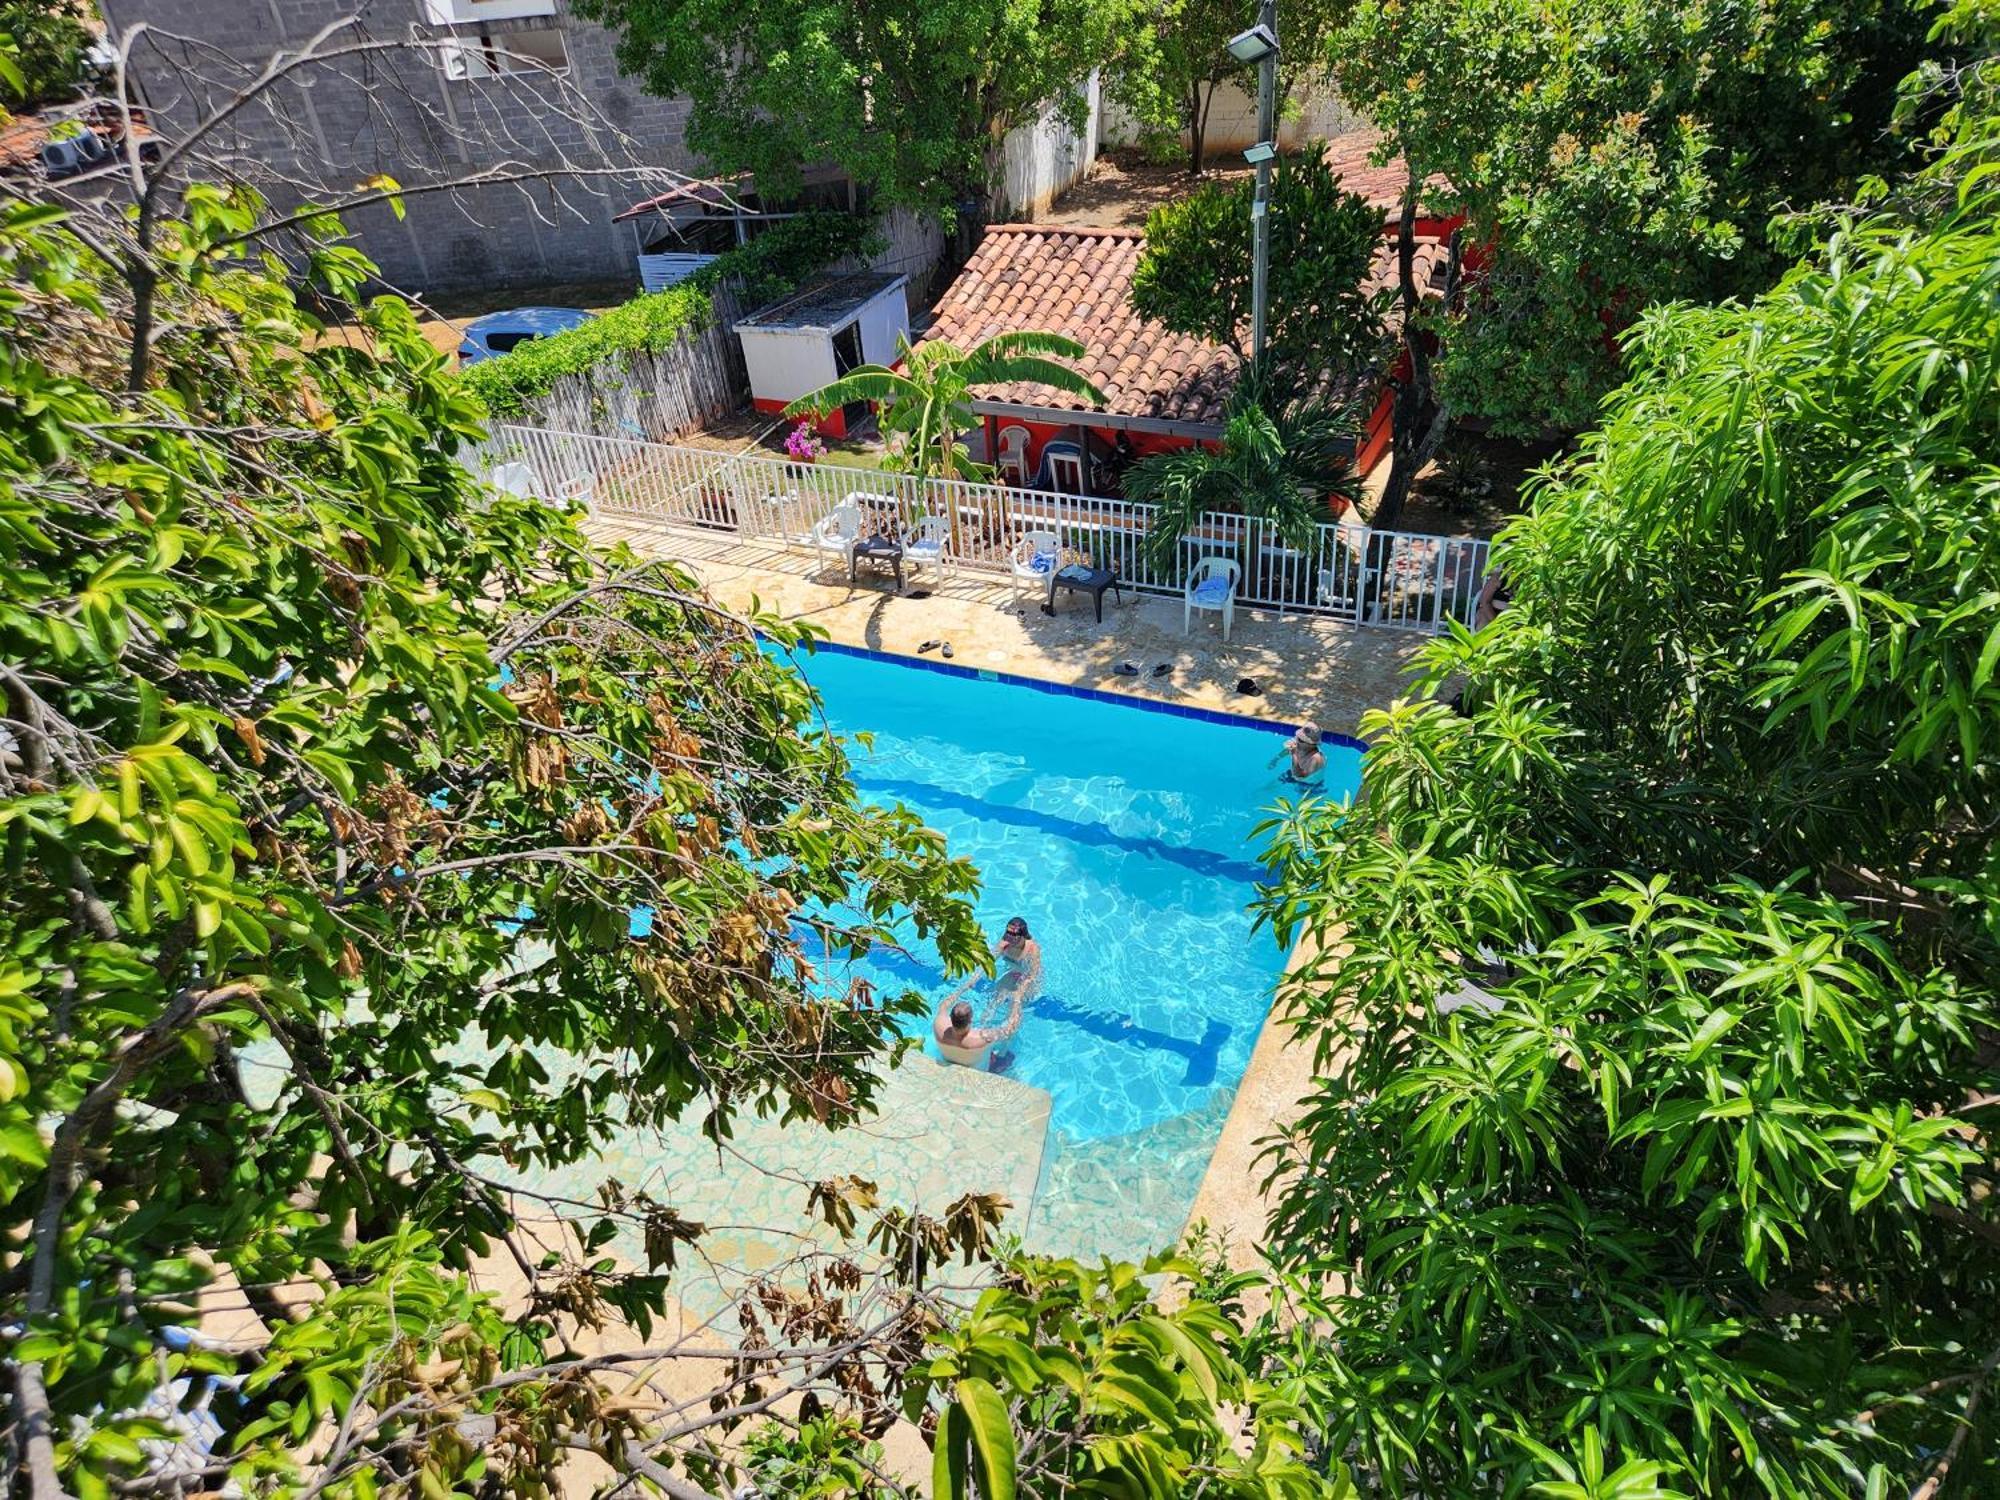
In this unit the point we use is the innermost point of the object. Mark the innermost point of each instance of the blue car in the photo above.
(496, 333)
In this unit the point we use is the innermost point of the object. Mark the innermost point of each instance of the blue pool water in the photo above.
(1122, 835)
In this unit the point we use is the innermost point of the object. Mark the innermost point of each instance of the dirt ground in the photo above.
(1497, 469)
(756, 430)
(1122, 187)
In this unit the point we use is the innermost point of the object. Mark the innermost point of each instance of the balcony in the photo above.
(476, 12)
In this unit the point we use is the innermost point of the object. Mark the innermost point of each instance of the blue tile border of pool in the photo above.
(1122, 700)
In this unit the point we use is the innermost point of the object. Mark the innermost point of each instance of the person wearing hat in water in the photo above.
(1308, 761)
(1022, 955)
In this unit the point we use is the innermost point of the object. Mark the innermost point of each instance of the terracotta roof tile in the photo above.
(1076, 281)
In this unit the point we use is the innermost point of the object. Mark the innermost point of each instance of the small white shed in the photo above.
(800, 343)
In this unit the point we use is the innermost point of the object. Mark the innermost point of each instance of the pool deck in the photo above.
(1310, 668)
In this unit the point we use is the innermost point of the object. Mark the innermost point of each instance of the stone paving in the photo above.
(1308, 667)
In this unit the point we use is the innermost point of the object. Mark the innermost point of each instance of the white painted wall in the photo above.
(1232, 121)
(1044, 156)
(881, 321)
(786, 363)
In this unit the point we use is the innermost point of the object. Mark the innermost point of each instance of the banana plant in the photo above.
(925, 398)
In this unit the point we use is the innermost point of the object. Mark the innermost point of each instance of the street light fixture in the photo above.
(1259, 46)
(1253, 46)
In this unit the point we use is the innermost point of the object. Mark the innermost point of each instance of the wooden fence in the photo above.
(1393, 579)
(697, 379)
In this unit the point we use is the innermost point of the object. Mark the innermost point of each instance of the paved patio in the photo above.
(1308, 667)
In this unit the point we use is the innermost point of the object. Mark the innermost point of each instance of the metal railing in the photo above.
(1395, 579)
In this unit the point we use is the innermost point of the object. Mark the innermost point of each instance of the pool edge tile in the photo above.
(1076, 690)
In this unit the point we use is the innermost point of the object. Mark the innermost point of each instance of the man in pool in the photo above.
(1308, 760)
(959, 1041)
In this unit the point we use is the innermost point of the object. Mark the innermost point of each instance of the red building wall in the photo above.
(1041, 434)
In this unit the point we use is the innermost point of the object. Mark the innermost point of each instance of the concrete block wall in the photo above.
(413, 125)
(1232, 121)
(1044, 156)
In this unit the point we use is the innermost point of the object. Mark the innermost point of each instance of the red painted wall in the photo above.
(1041, 434)
(833, 424)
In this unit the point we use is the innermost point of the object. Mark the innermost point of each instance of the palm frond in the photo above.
(862, 383)
(1029, 367)
(1027, 341)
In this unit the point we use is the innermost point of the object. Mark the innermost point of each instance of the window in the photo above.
(494, 53)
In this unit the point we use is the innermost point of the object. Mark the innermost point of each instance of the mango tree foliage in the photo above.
(1066, 1379)
(1655, 1136)
(910, 97)
(1611, 155)
(1194, 275)
(50, 44)
(368, 839)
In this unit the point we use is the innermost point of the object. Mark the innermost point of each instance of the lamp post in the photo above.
(1259, 45)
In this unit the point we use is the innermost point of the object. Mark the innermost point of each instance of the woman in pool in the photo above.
(1022, 957)
(1308, 760)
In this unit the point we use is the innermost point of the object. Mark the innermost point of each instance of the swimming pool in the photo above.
(1121, 834)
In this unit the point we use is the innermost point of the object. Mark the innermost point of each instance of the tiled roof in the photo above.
(21, 140)
(23, 136)
(1077, 281)
(1348, 155)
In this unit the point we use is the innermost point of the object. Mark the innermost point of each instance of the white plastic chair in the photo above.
(1212, 586)
(1022, 556)
(515, 479)
(836, 532)
(1013, 453)
(928, 545)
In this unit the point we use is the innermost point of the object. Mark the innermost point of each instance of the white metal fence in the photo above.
(1396, 579)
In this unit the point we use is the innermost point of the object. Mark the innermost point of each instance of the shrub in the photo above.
(50, 42)
(769, 266)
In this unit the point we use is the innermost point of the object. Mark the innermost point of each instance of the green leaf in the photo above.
(949, 1453)
(992, 1437)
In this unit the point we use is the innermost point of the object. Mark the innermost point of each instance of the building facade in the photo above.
(520, 86)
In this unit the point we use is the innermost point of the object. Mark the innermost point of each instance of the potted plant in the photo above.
(803, 445)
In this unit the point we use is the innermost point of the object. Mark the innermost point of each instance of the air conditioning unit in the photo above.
(75, 153)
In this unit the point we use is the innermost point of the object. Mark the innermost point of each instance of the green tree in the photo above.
(371, 841)
(1194, 275)
(1655, 989)
(312, 747)
(1175, 58)
(912, 97)
(1609, 155)
(927, 403)
(1278, 461)
(50, 41)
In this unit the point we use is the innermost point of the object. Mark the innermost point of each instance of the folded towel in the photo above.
(1076, 572)
(1211, 591)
